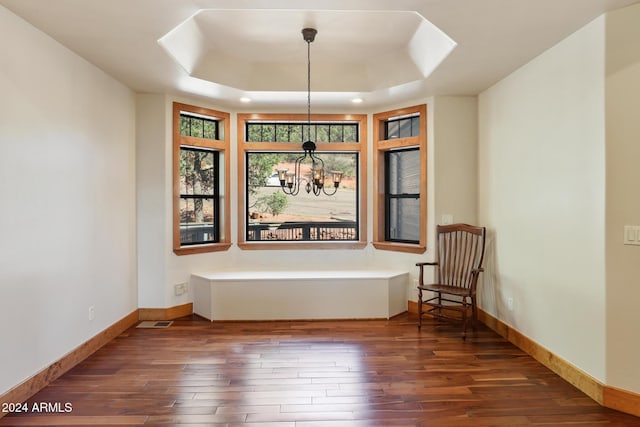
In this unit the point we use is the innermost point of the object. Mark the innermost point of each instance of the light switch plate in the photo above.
(632, 235)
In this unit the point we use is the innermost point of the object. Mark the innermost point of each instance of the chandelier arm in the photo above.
(299, 161)
(295, 188)
(286, 190)
(324, 190)
(315, 158)
(298, 176)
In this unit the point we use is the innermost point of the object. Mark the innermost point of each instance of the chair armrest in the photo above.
(420, 276)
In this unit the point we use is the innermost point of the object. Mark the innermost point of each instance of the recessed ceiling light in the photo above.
(356, 100)
(245, 99)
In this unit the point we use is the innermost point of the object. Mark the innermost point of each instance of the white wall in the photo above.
(67, 192)
(455, 138)
(154, 194)
(541, 194)
(456, 159)
(623, 203)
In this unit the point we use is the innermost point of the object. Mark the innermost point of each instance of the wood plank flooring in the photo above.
(308, 374)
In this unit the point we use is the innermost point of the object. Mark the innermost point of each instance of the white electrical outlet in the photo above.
(181, 288)
(510, 303)
(92, 313)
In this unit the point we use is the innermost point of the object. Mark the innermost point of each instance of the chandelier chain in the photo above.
(309, 85)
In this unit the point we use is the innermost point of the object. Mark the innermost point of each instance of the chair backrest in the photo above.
(460, 250)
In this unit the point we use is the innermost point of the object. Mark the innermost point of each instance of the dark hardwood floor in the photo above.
(303, 374)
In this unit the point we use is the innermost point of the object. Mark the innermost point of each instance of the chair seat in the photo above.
(447, 289)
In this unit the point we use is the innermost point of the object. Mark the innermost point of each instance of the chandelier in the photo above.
(291, 181)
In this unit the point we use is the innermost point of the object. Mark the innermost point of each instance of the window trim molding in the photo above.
(380, 146)
(244, 147)
(223, 147)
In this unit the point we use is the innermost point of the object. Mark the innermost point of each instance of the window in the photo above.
(402, 127)
(200, 162)
(274, 216)
(273, 220)
(400, 206)
(402, 195)
(199, 196)
(299, 132)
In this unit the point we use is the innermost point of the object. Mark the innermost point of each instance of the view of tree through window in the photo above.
(273, 215)
(199, 127)
(198, 204)
(299, 132)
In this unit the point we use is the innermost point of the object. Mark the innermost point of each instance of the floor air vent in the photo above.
(154, 324)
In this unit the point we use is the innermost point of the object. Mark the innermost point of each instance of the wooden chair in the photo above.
(459, 255)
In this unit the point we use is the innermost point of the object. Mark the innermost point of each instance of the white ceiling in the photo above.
(382, 51)
(268, 53)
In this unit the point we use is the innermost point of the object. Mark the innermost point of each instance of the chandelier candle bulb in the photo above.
(282, 174)
(337, 177)
(290, 179)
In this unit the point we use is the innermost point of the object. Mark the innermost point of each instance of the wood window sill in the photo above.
(400, 247)
(200, 249)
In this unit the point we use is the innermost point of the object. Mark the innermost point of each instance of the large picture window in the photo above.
(275, 216)
(201, 184)
(400, 167)
(275, 220)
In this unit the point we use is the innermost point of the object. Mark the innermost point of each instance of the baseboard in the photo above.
(37, 382)
(412, 307)
(168, 313)
(622, 400)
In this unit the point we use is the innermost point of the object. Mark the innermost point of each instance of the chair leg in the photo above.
(474, 312)
(464, 318)
(419, 308)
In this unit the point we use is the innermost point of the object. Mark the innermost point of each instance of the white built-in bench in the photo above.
(279, 295)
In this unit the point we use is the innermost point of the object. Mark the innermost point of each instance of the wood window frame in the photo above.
(359, 147)
(222, 146)
(380, 146)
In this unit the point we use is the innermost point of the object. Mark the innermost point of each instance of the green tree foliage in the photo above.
(345, 163)
(198, 127)
(259, 167)
(274, 203)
